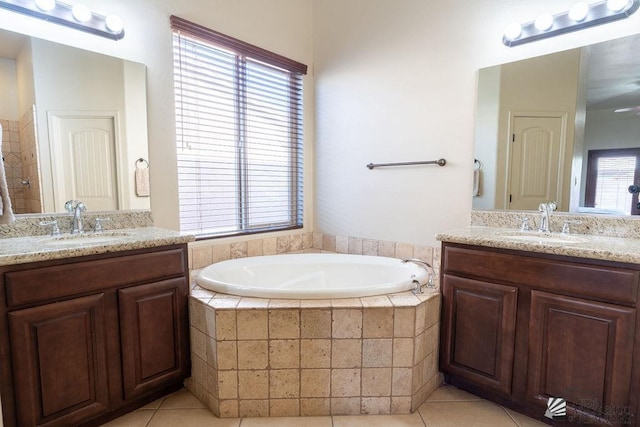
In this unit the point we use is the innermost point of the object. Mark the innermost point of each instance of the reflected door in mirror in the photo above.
(535, 162)
(87, 149)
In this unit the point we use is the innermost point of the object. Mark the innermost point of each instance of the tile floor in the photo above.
(447, 406)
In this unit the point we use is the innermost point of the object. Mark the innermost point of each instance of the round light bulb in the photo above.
(617, 5)
(46, 5)
(578, 12)
(513, 31)
(114, 24)
(544, 22)
(81, 13)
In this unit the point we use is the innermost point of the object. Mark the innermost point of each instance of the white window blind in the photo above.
(615, 175)
(239, 134)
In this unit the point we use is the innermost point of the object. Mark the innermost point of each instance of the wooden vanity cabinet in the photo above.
(86, 339)
(519, 328)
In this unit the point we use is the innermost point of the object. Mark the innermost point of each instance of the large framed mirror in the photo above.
(562, 127)
(74, 126)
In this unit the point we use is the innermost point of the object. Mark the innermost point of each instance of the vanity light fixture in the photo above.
(581, 15)
(77, 16)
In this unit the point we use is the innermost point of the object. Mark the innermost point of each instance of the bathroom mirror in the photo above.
(557, 108)
(74, 126)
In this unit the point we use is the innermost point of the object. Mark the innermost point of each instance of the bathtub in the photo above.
(311, 276)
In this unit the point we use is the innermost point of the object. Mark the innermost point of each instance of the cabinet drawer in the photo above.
(602, 282)
(48, 283)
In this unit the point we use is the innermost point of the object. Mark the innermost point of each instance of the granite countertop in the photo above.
(619, 249)
(19, 250)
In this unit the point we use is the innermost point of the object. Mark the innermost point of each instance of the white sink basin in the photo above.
(84, 239)
(541, 238)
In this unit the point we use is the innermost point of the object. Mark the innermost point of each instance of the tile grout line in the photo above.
(509, 415)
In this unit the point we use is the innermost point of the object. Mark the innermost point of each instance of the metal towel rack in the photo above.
(439, 162)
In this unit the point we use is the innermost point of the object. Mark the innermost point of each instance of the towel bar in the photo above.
(439, 162)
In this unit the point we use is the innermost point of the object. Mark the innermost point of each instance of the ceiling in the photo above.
(614, 74)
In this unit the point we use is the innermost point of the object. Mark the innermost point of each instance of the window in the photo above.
(609, 175)
(239, 134)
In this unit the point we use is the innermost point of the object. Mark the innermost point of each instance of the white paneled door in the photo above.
(535, 162)
(86, 152)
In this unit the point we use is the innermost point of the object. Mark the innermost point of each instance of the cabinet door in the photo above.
(581, 351)
(154, 333)
(479, 323)
(59, 362)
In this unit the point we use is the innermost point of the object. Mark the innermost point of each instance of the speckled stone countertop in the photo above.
(19, 250)
(620, 249)
(27, 240)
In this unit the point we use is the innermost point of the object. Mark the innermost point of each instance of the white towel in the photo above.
(476, 182)
(142, 182)
(6, 213)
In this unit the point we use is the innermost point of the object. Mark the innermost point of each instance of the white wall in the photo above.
(395, 80)
(8, 90)
(486, 136)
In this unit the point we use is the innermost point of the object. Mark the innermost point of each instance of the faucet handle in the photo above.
(566, 226)
(55, 230)
(98, 227)
(525, 226)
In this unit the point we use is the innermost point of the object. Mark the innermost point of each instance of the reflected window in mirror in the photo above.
(610, 173)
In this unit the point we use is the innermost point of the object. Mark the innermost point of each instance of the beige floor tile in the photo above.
(153, 405)
(287, 422)
(474, 414)
(181, 399)
(523, 420)
(412, 420)
(138, 418)
(447, 393)
(190, 418)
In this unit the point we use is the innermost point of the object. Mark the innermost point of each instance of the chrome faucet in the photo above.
(545, 209)
(430, 272)
(76, 208)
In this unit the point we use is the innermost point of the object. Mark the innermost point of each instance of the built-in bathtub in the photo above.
(287, 355)
(312, 276)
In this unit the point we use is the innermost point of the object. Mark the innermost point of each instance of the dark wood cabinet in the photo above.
(479, 331)
(60, 368)
(86, 339)
(154, 342)
(520, 328)
(581, 351)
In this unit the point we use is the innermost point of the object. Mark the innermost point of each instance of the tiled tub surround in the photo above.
(261, 357)
(258, 357)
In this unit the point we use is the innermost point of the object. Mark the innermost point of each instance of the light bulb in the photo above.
(114, 24)
(578, 12)
(513, 31)
(617, 5)
(544, 22)
(45, 5)
(81, 12)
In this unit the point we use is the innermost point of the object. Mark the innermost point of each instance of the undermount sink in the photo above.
(542, 238)
(84, 239)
